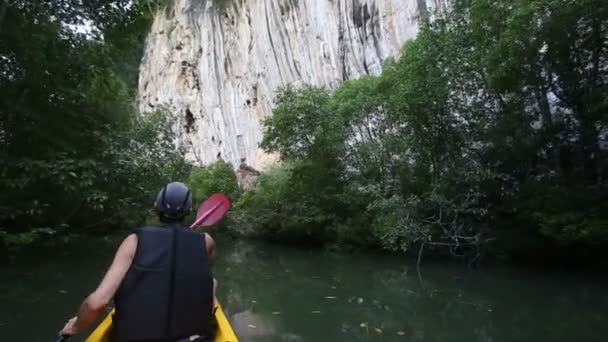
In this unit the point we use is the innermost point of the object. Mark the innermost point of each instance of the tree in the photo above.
(71, 138)
(474, 135)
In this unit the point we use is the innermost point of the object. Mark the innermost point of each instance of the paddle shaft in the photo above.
(199, 220)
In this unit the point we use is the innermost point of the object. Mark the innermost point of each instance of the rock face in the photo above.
(247, 177)
(216, 64)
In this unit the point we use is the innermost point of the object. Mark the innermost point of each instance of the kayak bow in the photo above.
(225, 332)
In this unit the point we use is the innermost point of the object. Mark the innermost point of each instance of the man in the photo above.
(160, 280)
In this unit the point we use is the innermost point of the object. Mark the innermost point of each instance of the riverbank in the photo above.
(557, 258)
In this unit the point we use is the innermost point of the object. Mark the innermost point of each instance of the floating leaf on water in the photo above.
(378, 330)
(330, 297)
(252, 326)
(401, 333)
(316, 312)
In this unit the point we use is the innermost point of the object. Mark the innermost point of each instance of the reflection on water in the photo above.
(276, 293)
(287, 294)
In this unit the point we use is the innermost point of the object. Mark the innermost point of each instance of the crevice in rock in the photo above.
(285, 40)
(423, 11)
(170, 9)
(216, 57)
(272, 47)
(188, 76)
(376, 30)
(190, 120)
(227, 64)
(255, 94)
(342, 47)
(359, 14)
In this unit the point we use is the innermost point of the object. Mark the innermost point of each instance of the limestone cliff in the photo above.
(216, 64)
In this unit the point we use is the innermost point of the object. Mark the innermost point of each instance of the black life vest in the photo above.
(167, 294)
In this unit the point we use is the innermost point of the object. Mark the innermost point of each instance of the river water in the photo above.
(276, 293)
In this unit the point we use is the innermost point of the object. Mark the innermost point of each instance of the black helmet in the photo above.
(174, 201)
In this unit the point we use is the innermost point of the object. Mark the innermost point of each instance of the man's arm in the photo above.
(210, 247)
(95, 303)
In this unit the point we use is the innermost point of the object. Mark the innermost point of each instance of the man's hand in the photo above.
(70, 328)
(94, 305)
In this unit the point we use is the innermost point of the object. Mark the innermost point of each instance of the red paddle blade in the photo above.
(212, 210)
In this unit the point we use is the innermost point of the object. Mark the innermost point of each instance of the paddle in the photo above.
(212, 210)
(209, 213)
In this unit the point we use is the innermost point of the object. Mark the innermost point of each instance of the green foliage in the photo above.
(280, 209)
(74, 153)
(217, 177)
(16, 242)
(578, 217)
(488, 127)
(302, 124)
(397, 223)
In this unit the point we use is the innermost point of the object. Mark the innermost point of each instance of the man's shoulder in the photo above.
(207, 237)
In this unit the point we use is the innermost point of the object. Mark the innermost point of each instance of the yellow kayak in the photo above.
(225, 332)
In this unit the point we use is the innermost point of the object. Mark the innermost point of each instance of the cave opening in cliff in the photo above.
(190, 120)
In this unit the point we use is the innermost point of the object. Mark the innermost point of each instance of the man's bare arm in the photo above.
(210, 247)
(95, 303)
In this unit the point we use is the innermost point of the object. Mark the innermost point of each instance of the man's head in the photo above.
(174, 202)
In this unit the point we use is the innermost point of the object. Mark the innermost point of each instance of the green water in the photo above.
(276, 293)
